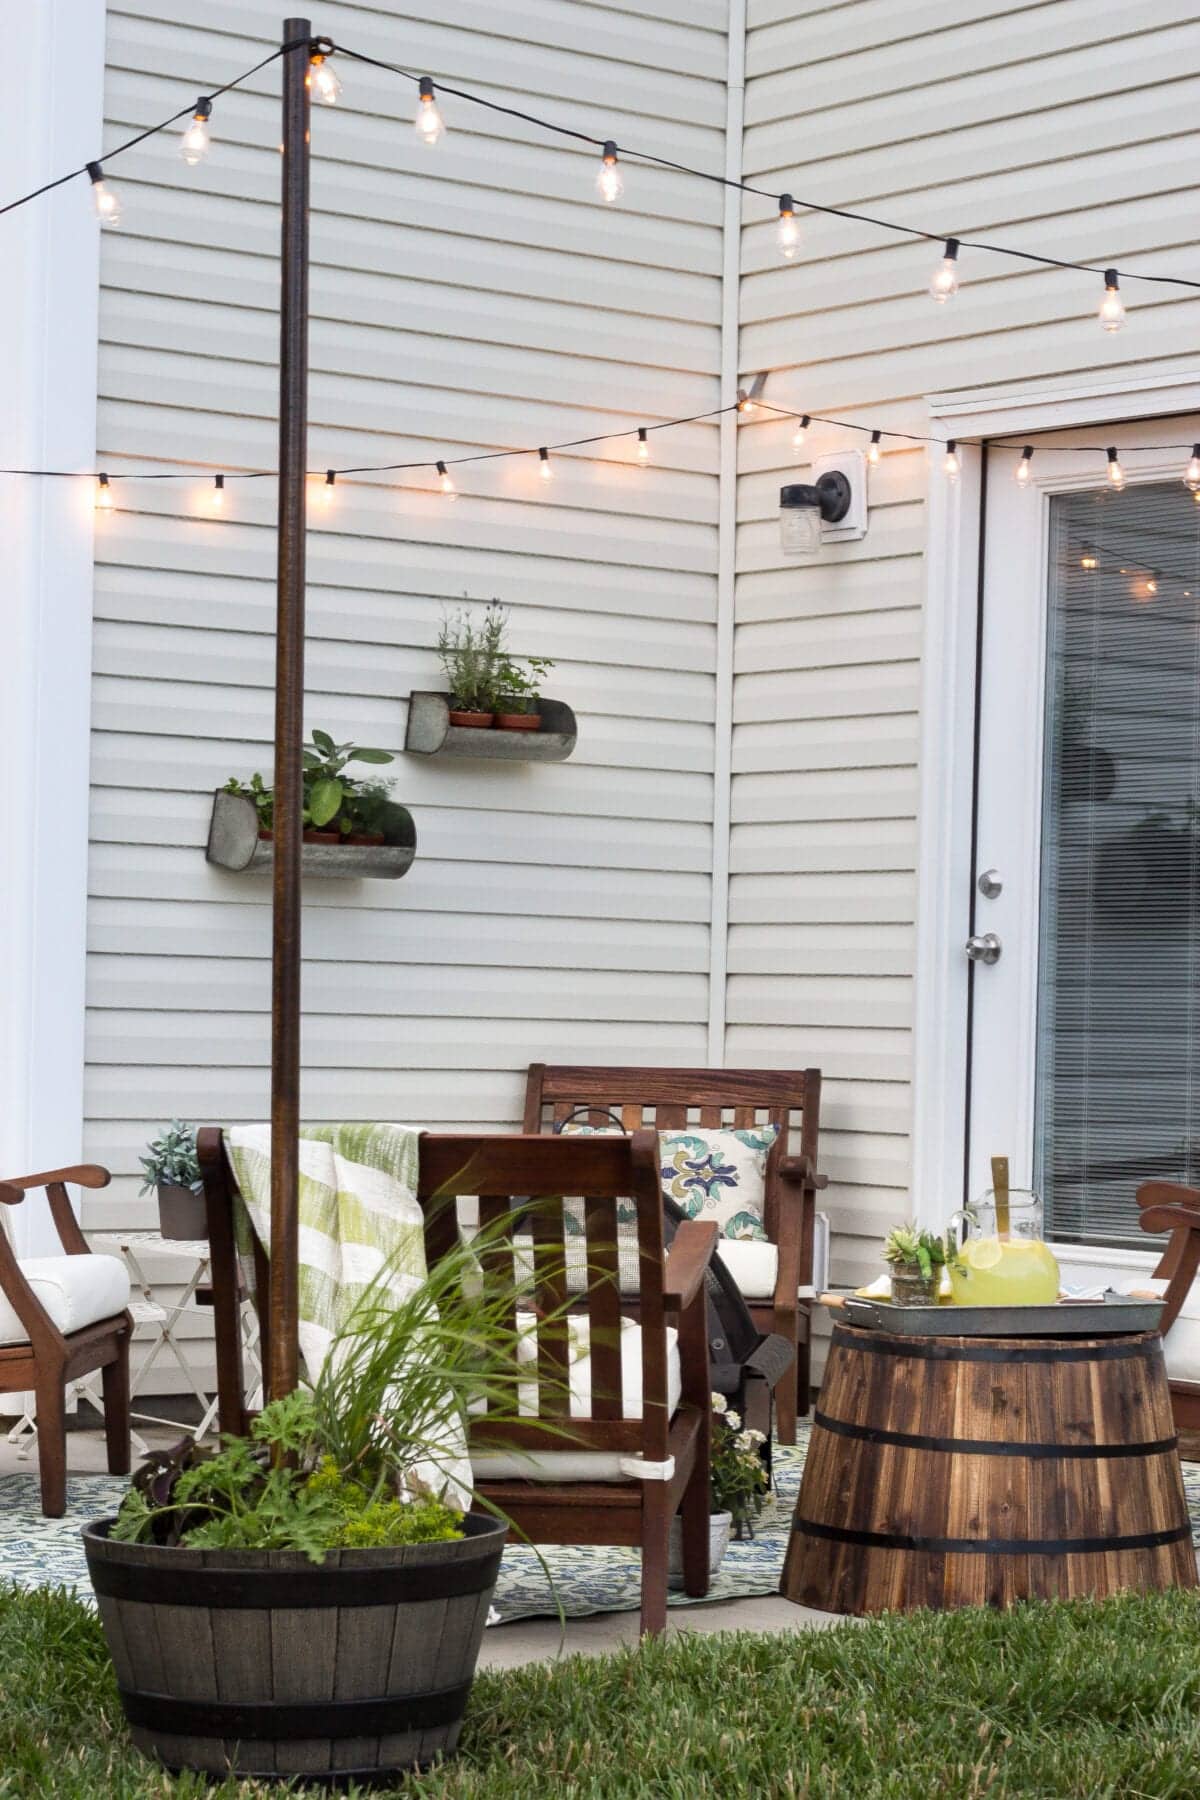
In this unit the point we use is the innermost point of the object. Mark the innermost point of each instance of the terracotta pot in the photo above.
(519, 721)
(476, 721)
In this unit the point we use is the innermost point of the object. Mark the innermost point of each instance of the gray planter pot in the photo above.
(261, 1662)
(719, 1527)
(181, 1211)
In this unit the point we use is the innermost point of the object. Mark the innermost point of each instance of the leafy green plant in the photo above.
(907, 1248)
(519, 683)
(471, 651)
(333, 800)
(737, 1478)
(172, 1158)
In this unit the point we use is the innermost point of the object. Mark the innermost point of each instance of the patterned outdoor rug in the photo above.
(38, 1552)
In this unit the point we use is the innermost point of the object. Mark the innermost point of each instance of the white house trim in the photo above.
(49, 313)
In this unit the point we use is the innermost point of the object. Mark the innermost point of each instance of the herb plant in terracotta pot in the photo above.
(470, 650)
(915, 1259)
(518, 689)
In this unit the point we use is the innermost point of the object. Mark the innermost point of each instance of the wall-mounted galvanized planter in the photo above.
(430, 733)
(234, 843)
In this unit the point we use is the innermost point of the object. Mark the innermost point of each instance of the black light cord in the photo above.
(140, 138)
(748, 187)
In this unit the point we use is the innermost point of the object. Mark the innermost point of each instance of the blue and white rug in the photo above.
(39, 1552)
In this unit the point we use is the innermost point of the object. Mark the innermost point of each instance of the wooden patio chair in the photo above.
(634, 1449)
(62, 1317)
(1167, 1206)
(673, 1099)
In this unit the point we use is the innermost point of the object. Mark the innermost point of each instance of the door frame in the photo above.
(957, 524)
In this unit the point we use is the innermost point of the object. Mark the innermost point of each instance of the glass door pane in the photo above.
(1118, 1033)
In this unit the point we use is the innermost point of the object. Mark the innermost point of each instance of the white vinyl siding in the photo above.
(475, 296)
(1061, 127)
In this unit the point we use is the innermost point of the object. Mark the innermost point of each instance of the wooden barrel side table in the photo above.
(964, 1471)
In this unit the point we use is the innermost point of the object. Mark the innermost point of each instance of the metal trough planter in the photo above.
(234, 843)
(264, 1663)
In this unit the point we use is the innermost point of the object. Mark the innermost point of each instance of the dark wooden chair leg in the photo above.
(694, 1516)
(804, 1368)
(114, 1378)
(785, 1405)
(656, 1530)
(52, 1442)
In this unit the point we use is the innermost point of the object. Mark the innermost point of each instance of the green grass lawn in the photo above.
(1073, 1700)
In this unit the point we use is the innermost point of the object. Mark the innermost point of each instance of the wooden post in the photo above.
(284, 1361)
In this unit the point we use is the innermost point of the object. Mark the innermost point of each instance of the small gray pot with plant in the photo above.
(172, 1169)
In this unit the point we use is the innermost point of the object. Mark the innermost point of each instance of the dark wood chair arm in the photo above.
(9, 1195)
(800, 1169)
(1168, 1193)
(1158, 1219)
(787, 1275)
(88, 1175)
(687, 1261)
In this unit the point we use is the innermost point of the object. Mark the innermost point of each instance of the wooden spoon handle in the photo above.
(1000, 1192)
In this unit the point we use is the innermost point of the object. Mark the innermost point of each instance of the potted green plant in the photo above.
(915, 1259)
(518, 690)
(226, 1573)
(470, 650)
(171, 1168)
(338, 807)
(737, 1489)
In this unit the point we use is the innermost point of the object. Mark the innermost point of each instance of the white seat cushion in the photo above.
(75, 1291)
(1182, 1343)
(753, 1263)
(580, 1465)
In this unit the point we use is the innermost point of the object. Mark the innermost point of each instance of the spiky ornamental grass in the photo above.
(1047, 1702)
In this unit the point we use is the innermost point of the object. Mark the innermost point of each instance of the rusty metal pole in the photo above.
(284, 1362)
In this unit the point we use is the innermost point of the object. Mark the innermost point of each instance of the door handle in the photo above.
(984, 948)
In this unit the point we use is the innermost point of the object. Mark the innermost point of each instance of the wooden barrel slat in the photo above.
(404, 1660)
(965, 1471)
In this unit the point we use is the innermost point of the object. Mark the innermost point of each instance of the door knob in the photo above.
(983, 948)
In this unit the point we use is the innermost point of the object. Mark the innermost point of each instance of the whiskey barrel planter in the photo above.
(963, 1471)
(264, 1663)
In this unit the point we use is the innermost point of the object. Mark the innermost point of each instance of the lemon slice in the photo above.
(982, 1253)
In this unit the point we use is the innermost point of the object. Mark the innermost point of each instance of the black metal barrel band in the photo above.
(941, 1350)
(226, 1590)
(910, 1440)
(937, 1546)
(251, 1720)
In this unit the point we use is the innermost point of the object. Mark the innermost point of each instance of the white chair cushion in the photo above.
(1182, 1343)
(75, 1291)
(753, 1263)
(580, 1465)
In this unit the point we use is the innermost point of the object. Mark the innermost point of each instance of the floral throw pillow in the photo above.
(719, 1176)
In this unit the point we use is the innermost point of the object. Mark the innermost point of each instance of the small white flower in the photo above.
(719, 1403)
(733, 1420)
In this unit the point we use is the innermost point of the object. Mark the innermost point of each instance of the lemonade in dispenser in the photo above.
(1003, 1259)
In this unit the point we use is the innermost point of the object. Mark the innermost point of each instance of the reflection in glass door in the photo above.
(1117, 1096)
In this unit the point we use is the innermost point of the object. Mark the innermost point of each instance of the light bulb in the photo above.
(1151, 586)
(193, 145)
(1191, 475)
(217, 498)
(1112, 310)
(744, 403)
(104, 496)
(643, 445)
(1088, 561)
(800, 434)
(788, 231)
(428, 124)
(951, 467)
(106, 200)
(323, 81)
(873, 447)
(1116, 473)
(1024, 468)
(609, 182)
(445, 481)
(325, 491)
(544, 469)
(943, 283)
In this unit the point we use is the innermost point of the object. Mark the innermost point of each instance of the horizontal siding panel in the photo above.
(854, 690)
(876, 741)
(778, 999)
(827, 845)
(847, 950)
(859, 897)
(825, 796)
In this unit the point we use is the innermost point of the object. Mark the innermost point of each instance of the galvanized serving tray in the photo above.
(1070, 1318)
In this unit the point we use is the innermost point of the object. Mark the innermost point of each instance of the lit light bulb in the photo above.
(800, 434)
(428, 124)
(951, 467)
(789, 229)
(445, 482)
(325, 491)
(1151, 586)
(544, 468)
(873, 447)
(643, 445)
(1024, 467)
(1112, 310)
(106, 200)
(1116, 473)
(104, 496)
(609, 182)
(323, 81)
(1089, 561)
(1191, 475)
(217, 498)
(943, 283)
(744, 403)
(193, 145)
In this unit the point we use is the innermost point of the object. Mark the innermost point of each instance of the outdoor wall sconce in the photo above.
(832, 507)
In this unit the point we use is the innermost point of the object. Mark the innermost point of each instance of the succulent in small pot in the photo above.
(916, 1259)
(470, 651)
(171, 1168)
(519, 683)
